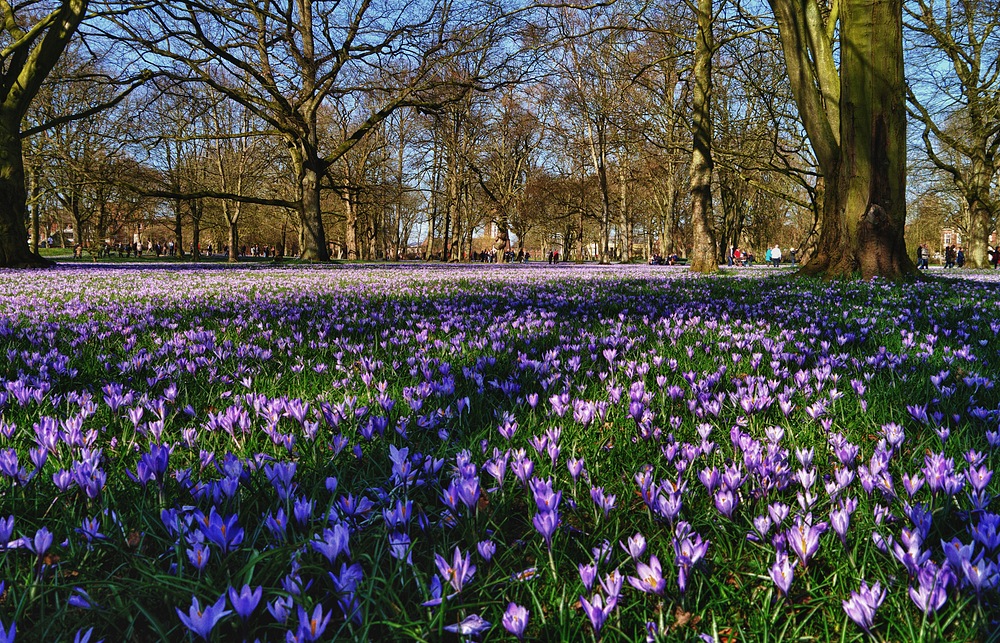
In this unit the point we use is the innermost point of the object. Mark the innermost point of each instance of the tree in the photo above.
(285, 60)
(855, 118)
(960, 111)
(32, 38)
(704, 256)
(512, 136)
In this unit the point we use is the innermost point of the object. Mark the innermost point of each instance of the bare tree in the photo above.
(285, 60)
(32, 38)
(959, 112)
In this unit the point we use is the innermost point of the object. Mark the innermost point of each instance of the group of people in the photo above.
(658, 260)
(954, 256)
(773, 256)
(509, 256)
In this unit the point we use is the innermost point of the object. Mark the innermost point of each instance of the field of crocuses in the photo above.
(496, 453)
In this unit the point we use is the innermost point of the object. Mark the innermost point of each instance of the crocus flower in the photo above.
(596, 610)
(246, 600)
(486, 549)
(861, 606)
(7, 634)
(636, 545)
(803, 538)
(546, 522)
(650, 577)
(515, 620)
(932, 590)
(40, 544)
(199, 554)
(725, 502)
(783, 572)
(200, 621)
(605, 502)
(311, 627)
(473, 625)
(458, 571)
(82, 636)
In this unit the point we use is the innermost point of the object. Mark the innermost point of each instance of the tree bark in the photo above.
(350, 224)
(864, 209)
(704, 255)
(178, 228)
(14, 249)
(856, 122)
(234, 241)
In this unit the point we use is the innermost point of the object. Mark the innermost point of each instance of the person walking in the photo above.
(960, 257)
(776, 256)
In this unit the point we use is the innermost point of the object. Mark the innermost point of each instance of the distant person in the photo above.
(922, 256)
(776, 256)
(949, 257)
(960, 257)
(767, 255)
(996, 256)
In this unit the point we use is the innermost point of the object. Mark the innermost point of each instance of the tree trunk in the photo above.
(234, 240)
(704, 256)
(864, 210)
(980, 227)
(196, 213)
(310, 170)
(178, 228)
(14, 249)
(350, 224)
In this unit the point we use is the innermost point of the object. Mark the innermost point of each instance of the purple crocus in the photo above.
(486, 549)
(604, 501)
(311, 627)
(636, 545)
(546, 522)
(7, 634)
(861, 606)
(783, 572)
(932, 589)
(515, 620)
(200, 621)
(40, 544)
(246, 600)
(596, 610)
(725, 502)
(803, 538)
(473, 625)
(458, 571)
(650, 577)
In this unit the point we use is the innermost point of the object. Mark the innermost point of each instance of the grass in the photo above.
(333, 370)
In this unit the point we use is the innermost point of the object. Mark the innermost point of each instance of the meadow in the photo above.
(501, 453)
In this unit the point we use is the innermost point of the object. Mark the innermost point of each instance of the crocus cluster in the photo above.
(395, 452)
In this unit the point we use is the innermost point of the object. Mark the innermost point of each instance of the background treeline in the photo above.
(435, 130)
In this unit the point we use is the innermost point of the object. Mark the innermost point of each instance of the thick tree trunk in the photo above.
(14, 249)
(863, 225)
(234, 241)
(704, 256)
(980, 227)
(313, 246)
